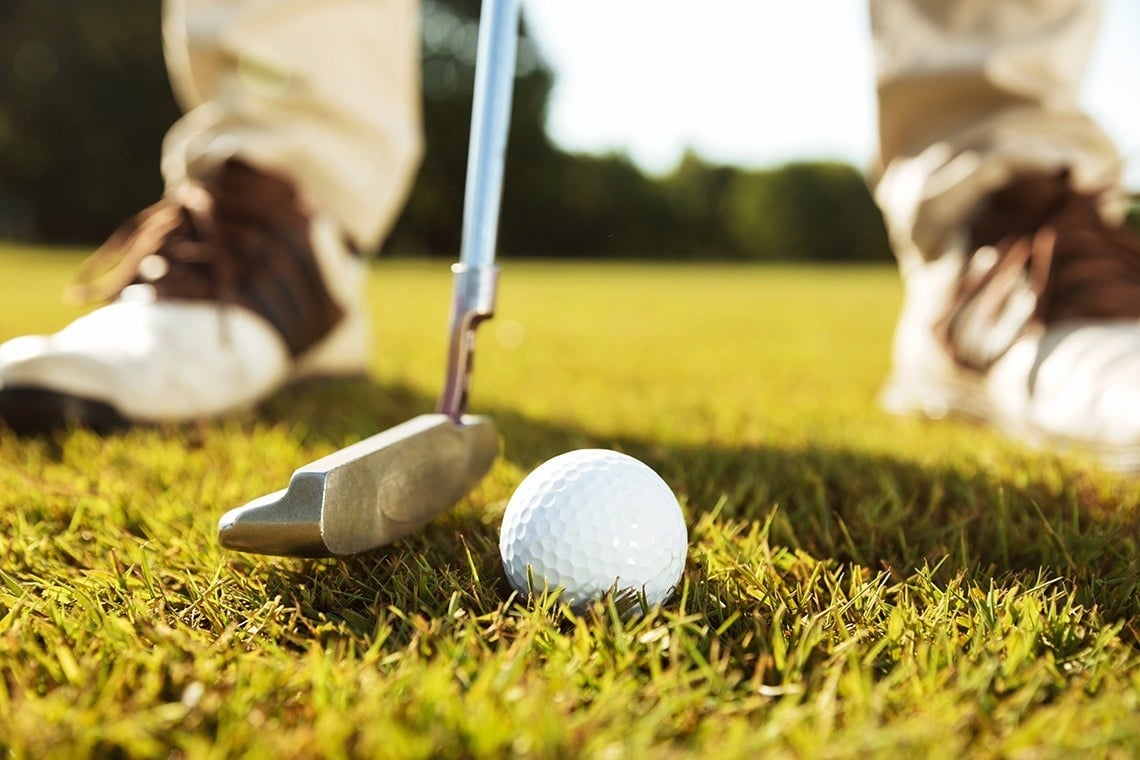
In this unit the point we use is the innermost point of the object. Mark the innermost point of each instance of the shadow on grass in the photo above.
(852, 506)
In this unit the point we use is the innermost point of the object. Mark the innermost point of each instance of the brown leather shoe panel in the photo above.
(1040, 252)
(238, 237)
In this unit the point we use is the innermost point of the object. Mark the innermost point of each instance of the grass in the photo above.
(857, 585)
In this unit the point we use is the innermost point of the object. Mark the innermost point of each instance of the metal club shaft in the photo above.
(476, 275)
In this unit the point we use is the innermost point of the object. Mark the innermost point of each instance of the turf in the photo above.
(857, 585)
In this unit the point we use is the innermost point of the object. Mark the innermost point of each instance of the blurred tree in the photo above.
(84, 103)
(432, 219)
(819, 211)
(697, 193)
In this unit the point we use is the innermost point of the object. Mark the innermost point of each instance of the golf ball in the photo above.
(590, 521)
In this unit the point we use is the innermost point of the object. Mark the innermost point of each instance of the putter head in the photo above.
(368, 494)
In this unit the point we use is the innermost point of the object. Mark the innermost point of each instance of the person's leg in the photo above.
(1003, 204)
(326, 92)
(299, 144)
(973, 93)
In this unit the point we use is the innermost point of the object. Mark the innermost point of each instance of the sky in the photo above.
(758, 82)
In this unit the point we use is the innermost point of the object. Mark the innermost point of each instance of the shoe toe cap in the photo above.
(154, 362)
(20, 350)
(1085, 384)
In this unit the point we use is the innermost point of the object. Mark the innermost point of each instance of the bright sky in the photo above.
(757, 82)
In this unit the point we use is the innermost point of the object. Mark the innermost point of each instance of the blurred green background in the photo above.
(85, 102)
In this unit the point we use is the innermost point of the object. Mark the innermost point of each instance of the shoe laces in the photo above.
(1039, 252)
(237, 237)
(196, 242)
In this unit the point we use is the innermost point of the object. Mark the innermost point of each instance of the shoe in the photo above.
(221, 293)
(1031, 323)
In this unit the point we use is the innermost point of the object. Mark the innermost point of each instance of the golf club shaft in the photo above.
(476, 274)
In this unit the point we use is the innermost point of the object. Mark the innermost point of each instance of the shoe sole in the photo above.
(35, 411)
(937, 399)
(963, 398)
(31, 411)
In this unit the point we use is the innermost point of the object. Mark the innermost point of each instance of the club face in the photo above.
(368, 494)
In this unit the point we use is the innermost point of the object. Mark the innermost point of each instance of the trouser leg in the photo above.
(971, 93)
(324, 91)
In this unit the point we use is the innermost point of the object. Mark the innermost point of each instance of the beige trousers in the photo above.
(970, 91)
(324, 90)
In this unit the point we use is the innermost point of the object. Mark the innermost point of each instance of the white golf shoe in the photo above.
(1030, 322)
(224, 291)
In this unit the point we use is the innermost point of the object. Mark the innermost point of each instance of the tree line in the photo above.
(84, 103)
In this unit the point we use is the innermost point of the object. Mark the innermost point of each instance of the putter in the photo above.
(384, 487)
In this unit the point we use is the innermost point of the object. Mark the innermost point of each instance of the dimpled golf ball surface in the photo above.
(590, 521)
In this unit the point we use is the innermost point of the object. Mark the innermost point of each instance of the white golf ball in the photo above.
(590, 521)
